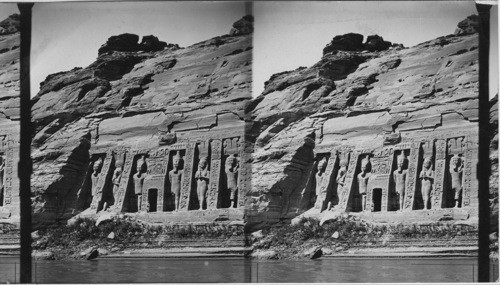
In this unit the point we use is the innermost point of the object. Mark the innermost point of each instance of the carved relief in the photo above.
(427, 179)
(399, 175)
(175, 178)
(412, 176)
(231, 168)
(320, 184)
(138, 177)
(363, 177)
(185, 191)
(348, 181)
(202, 177)
(213, 189)
(456, 169)
(341, 174)
(97, 199)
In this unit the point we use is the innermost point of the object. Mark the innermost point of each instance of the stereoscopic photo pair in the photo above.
(248, 142)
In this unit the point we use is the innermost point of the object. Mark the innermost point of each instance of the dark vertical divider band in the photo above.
(483, 169)
(25, 167)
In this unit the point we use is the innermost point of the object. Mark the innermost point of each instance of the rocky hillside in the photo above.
(136, 94)
(361, 94)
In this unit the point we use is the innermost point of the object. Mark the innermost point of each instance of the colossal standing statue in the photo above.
(202, 176)
(456, 169)
(399, 176)
(427, 177)
(320, 177)
(232, 167)
(139, 180)
(175, 177)
(363, 177)
(94, 177)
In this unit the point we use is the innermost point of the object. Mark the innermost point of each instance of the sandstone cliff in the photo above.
(138, 95)
(359, 95)
(9, 118)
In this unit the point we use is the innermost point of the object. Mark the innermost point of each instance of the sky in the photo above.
(7, 9)
(296, 33)
(68, 35)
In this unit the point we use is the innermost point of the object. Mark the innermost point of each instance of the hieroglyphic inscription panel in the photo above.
(411, 180)
(470, 183)
(244, 175)
(187, 179)
(349, 181)
(440, 165)
(380, 177)
(215, 168)
(122, 188)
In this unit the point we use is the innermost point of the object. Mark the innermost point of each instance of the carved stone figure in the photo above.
(175, 178)
(94, 177)
(232, 167)
(117, 176)
(363, 177)
(202, 177)
(139, 180)
(427, 177)
(320, 177)
(456, 169)
(341, 177)
(399, 176)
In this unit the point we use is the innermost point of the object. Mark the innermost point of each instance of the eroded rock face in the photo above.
(243, 26)
(143, 102)
(468, 26)
(9, 119)
(370, 101)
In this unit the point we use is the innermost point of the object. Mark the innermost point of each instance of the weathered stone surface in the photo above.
(468, 26)
(243, 26)
(347, 42)
(368, 98)
(10, 25)
(139, 99)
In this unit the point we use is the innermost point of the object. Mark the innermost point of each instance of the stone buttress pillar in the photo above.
(187, 179)
(439, 175)
(215, 168)
(349, 181)
(411, 180)
(124, 181)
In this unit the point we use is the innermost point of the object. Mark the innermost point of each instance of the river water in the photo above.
(242, 270)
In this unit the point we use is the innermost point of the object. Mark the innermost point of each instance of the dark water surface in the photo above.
(241, 270)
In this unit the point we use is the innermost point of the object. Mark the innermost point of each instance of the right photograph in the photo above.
(364, 123)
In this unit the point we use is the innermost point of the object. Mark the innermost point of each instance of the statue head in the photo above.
(322, 164)
(141, 164)
(401, 160)
(230, 160)
(427, 162)
(98, 164)
(365, 163)
(203, 163)
(455, 161)
(176, 161)
(343, 163)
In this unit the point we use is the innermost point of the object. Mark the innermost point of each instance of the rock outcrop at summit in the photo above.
(359, 96)
(134, 96)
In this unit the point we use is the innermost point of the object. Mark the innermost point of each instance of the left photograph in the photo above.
(9, 143)
(138, 116)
